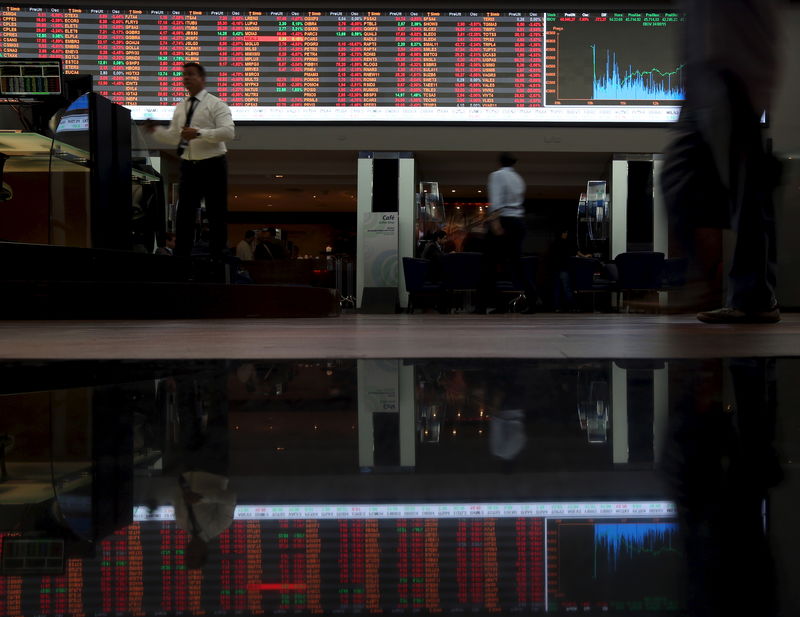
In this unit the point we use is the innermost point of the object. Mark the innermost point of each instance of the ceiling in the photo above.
(325, 181)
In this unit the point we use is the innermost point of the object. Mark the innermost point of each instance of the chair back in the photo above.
(676, 271)
(581, 272)
(639, 270)
(415, 271)
(530, 269)
(461, 271)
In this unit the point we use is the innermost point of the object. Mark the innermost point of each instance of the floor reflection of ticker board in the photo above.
(615, 566)
(614, 58)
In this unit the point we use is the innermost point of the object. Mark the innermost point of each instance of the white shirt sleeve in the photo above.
(170, 135)
(495, 190)
(223, 121)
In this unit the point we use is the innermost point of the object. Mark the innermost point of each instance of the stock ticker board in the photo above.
(328, 66)
(593, 558)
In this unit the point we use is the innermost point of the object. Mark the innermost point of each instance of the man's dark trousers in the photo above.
(207, 178)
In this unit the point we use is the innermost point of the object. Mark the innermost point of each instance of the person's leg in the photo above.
(516, 237)
(566, 290)
(215, 190)
(189, 196)
(486, 291)
(558, 293)
(751, 176)
(751, 280)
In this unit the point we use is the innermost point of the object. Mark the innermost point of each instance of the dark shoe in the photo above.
(727, 315)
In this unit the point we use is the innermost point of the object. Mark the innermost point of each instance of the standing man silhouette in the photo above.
(201, 124)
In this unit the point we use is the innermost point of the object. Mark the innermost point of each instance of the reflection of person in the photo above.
(204, 504)
(204, 507)
(721, 464)
(717, 172)
(506, 403)
(201, 124)
(507, 433)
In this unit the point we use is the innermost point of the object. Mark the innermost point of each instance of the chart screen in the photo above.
(361, 66)
(595, 558)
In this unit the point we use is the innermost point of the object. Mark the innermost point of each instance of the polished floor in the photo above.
(468, 486)
(400, 336)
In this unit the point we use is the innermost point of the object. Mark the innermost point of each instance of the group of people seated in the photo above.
(561, 298)
(257, 245)
(261, 246)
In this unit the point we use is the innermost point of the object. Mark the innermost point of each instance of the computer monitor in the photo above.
(30, 77)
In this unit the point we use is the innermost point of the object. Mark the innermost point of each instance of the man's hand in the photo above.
(149, 125)
(189, 133)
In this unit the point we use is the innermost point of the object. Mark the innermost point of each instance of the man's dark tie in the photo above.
(189, 114)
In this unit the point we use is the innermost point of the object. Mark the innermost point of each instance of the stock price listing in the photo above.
(329, 66)
(605, 558)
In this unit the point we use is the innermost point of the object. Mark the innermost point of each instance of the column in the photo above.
(619, 414)
(311, 59)
(432, 602)
(9, 35)
(313, 575)
(528, 60)
(370, 59)
(177, 55)
(660, 219)
(401, 75)
(224, 40)
(416, 43)
(430, 59)
(460, 64)
(252, 59)
(254, 568)
(355, 62)
(489, 60)
(474, 60)
(619, 208)
(164, 59)
(282, 61)
(342, 58)
(135, 571)
(40, 32)
(236, 59)
(72, 41)
(132, 67)
(75, 586)
(117, 49)
(293, 54)
(660, 411)
(372, 567)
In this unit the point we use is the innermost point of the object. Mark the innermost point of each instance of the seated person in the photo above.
(434, 251)
(244, 250)
(268, 247)
(563, 248)
(169, 245)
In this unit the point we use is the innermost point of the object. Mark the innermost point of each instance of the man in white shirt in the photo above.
(201, 124)
(506, 190)
(244, 250)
